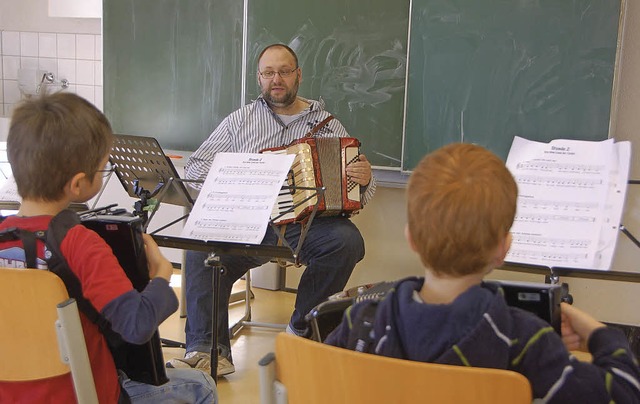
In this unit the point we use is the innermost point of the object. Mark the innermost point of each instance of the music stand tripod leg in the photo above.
(213, 261)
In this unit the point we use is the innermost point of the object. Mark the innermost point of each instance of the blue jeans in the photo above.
(330, 251)
(185, 386)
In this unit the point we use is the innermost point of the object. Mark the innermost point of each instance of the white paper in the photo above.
(237, 197)
(571, 194)
(9, 190)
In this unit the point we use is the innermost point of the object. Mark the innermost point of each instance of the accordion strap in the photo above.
(319, 126)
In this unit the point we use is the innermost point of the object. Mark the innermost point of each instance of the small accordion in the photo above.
(143, 363)
(319, 162)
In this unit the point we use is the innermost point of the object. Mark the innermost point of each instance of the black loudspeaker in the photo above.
(123, 233)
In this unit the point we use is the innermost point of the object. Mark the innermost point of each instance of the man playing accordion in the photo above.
(333, 244)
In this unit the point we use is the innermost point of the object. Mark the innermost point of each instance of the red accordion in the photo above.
(319, 162)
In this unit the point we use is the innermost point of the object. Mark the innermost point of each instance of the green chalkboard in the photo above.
(352, 54)
(483, 71)
(171, 67)
(480, 71)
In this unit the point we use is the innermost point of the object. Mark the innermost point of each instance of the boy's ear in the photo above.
(503, 249)
(74, 186)
(407, 235)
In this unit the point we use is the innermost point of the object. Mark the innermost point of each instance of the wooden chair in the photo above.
(306, 371)
(40, 332)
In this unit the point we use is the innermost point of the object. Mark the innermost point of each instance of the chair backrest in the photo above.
(40, 328)
(313, 372)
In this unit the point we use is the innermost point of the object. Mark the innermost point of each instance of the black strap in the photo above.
(58, 228)
(361, 335)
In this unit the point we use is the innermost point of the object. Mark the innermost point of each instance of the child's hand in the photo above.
(158, 265)
(577, 327)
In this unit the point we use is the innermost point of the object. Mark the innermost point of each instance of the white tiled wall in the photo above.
(74, 57)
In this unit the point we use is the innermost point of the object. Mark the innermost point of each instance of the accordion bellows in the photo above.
(319, 162)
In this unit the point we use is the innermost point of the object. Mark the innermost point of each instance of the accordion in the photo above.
(143, 363)
(318, 162)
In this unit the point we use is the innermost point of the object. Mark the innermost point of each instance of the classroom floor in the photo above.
(248, 346)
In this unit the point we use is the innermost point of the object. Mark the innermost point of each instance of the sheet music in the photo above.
(571, 195)
(237, 197)
(9, 190)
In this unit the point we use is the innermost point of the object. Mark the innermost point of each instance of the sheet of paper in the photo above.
(237, 197)
(9, 190)
(567, 206)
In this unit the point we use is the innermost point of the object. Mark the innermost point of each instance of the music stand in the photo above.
(141, 165)
(146, 172)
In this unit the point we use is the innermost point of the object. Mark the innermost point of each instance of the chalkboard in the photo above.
(485, 71)
(171, 67)
(480, 71)
(352, 54)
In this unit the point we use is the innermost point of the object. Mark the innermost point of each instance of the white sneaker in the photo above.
(202, 361)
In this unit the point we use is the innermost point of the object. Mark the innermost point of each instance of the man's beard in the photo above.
(288, 98)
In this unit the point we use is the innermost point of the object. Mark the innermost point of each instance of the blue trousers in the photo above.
(188, 386)
(330, 251)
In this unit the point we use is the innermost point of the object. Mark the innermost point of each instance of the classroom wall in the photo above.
(382, 222)
(70, 48)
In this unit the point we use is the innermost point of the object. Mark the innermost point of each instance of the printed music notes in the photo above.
(237, 197)
(570, 199)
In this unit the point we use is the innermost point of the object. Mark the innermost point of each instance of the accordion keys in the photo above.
(319, 162)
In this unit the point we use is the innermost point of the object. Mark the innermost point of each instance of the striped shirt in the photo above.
(255, 127)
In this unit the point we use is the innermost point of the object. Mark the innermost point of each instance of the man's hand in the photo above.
(360, 171)
(577, 327)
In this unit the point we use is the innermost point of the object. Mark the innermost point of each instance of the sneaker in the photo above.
(293, 331)
(202, 361)
(225, 367)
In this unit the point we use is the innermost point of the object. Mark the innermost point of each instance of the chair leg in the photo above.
(245, 320)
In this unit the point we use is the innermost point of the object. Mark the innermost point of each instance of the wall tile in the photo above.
(98, 74)
(49, 65)
(99, 100)
(28, 63)
(67, 70)
(11, 43)
(29, 44)
(10, 66)
(8, 109)
(75, 57)
(98, 47)
(85, 47)
(11, 91)
(85, 72)
(47, 45)
(66, 46)
(86, 92)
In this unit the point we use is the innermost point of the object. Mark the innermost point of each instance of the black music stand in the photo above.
(147, 173)
(215, 248)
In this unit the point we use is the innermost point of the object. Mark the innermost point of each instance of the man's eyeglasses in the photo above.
(108, 169)
(269, 74)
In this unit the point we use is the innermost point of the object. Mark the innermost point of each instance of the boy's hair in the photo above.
(461, 204)
(51, 139)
